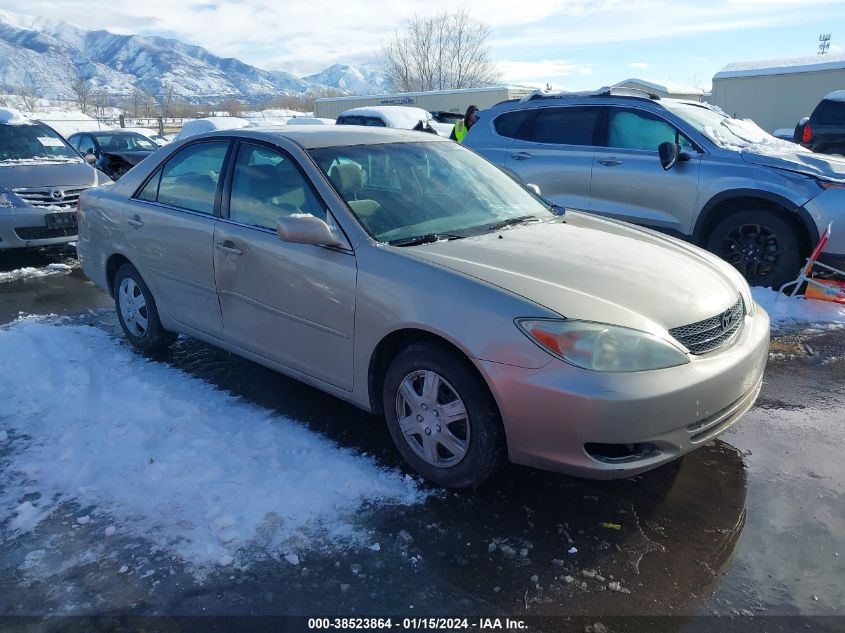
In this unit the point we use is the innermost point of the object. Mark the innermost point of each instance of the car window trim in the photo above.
(225, 207)
(603, 140)
(160, 170)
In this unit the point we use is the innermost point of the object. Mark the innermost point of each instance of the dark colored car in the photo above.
(825, 131)
(117, 151)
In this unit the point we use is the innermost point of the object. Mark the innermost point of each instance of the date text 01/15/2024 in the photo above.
(418, 624)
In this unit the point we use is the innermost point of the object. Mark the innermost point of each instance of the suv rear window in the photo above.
(829, 112)
(565, 126)
(515, 124)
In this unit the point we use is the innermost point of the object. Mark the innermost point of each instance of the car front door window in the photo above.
(267, 186)
(630, 129)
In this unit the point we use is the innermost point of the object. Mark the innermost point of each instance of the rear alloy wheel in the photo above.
(137, 312)
(760, 244)
(442, 417)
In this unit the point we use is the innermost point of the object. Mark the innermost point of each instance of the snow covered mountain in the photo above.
(353, 79)
(49, 56)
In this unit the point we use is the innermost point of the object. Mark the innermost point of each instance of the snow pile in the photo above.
(836, 95)
(167, 457)
(787, 311)
(29, 272)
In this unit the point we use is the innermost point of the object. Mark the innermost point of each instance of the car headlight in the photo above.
(602, 347)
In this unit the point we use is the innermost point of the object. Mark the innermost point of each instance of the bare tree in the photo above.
(82, 89)
(439, 52)
(29, 98)
(303, 102)
(232, 107)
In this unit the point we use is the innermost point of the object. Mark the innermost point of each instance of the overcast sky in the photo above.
(575, 44)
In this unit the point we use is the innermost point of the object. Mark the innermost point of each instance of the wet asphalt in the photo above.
(752, 524)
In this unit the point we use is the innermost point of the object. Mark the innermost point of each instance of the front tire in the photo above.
(137, 311)
(763, 245)
(442, 417)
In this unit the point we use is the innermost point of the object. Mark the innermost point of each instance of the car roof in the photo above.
(317, 136)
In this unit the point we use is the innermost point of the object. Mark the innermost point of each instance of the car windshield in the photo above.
(401, 192)
(124, 142)
(33, 142)
(725, 131)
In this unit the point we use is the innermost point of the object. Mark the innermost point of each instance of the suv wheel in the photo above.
(137, 312)
(442, 418)
(761, 244)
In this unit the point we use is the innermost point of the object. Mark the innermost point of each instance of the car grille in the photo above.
(43, 233)
(710, 334)
(64, 198)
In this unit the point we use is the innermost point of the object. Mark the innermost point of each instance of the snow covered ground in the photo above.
(786, 312)
(137, 449)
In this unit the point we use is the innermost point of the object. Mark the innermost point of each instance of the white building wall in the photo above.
(775, 100)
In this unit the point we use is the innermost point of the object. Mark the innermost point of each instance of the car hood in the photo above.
(47, 175)
(807, 163)
(133, 157)
(590, 268)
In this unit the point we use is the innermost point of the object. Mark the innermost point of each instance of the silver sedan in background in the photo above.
(407, 275)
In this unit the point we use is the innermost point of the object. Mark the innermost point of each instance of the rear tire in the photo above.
(137, 311)
(442, 417)
(761, 244)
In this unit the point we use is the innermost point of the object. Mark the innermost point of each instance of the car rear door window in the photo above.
(267, 185)
(637, 129)
(571, 125)
(189, 179)
(515, 124)
(830, 112)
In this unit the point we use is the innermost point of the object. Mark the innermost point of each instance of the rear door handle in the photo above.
(610, 162)
(520, 155)
(135, 222)
(228, 247)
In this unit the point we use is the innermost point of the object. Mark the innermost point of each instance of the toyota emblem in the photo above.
(57, 194)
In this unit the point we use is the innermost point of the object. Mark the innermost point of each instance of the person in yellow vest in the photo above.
(462, 126)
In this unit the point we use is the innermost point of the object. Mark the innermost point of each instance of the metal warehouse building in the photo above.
(777, 93)
(456, 101)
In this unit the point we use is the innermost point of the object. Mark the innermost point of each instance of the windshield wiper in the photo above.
(427, 238)
(511, 221)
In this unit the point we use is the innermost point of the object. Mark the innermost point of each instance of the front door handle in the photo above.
(135, 222)
(520, 155)
(610, 162)
(228, 247)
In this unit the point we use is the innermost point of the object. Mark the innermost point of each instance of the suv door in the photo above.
(554, 150)
(629, 183)
(291, 303)
(170, 233)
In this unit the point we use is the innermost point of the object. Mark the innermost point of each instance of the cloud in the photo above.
(541, 72)
(638, 65)
(304, 37)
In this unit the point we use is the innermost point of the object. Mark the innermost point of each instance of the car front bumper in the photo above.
(552, 415)
(22, 227)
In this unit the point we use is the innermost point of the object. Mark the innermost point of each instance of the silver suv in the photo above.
(679, 167)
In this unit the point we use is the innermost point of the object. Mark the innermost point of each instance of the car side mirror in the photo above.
(669, 154)
(90, 158)
(304, 228)
(534, 188)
